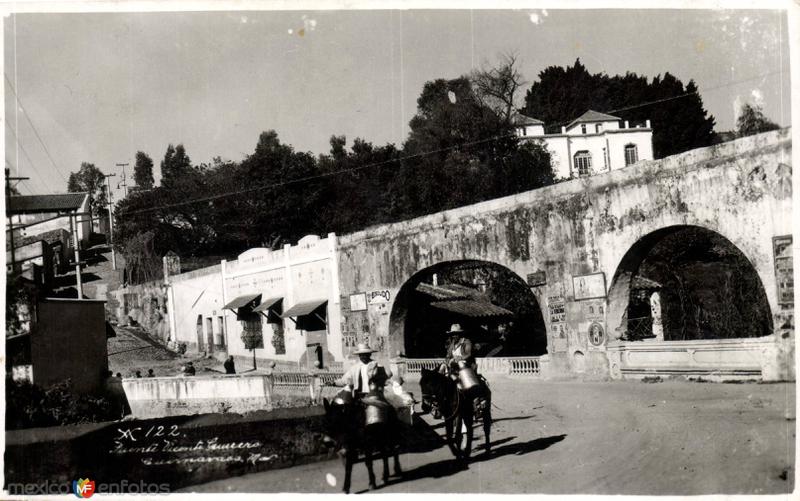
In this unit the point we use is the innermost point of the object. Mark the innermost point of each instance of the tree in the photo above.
(285, 207)
(89, 179)
(676, 111)
(143, 171)
(175, 166)
(496, 87)
(358, 194)
(457, 151)
(751, 121)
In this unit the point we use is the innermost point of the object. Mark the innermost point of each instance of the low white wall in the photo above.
(166, 396)
(752, 357)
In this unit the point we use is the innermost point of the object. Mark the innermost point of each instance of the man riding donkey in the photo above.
(461, 366)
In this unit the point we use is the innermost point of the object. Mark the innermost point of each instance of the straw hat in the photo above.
(363, 348)
(455, 329)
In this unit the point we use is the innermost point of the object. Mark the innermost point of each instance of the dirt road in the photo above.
(677, 438)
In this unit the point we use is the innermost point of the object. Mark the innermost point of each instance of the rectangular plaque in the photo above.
(358, 302)
(537, 278)
(592, 286)
(784, 268)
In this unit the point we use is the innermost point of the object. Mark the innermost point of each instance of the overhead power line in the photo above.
(417, 155)
(44, 179)
(35, 131)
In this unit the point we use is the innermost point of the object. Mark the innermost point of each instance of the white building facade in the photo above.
(593, 143)
(287, 297)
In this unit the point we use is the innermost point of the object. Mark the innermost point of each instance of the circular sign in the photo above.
(597, 335)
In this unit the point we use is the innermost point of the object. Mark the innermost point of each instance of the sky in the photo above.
(97, 87)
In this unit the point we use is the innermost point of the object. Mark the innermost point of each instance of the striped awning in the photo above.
(472, 308)
(242, 301)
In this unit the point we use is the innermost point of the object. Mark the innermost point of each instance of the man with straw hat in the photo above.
(459, 348)
(357, 377)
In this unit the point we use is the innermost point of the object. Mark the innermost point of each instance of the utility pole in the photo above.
(73, 228)
(123, 183)
(11, 217)
(111, 221)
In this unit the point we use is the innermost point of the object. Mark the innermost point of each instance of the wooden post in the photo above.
(75, 244)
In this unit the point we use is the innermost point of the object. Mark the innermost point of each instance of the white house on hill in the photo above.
(592, 143)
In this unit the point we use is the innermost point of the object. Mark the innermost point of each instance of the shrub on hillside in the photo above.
(30, 406)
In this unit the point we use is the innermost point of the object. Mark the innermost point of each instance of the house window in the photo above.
(598, 128)
(583, 129)
(631, 154)
(583, 163)
(220, 331)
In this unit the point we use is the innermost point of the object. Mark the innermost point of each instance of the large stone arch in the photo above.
(517, 298)
(619, 291)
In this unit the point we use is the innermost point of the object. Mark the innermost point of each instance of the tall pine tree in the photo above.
(143, 171)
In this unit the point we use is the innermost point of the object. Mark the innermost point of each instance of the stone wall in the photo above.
(144, 305)
(582, 228)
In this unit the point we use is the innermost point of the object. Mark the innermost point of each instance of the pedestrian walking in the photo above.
(230, 368)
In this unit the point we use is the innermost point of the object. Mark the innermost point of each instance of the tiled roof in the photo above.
(520, 119)
(593, 116)
(448, 291)
(58, 202)
(472, 308)
(643, 283)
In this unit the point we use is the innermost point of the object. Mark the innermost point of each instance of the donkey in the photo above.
(441, 395)
(351, 436)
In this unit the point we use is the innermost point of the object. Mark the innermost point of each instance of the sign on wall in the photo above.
(555, 305)
(557, 317)
(597, 334)
(784, 268)
(378, 297)
(590, 286)
(537, 278)
(358, 302)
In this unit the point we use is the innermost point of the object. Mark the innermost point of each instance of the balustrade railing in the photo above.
(415, 365)
(302, 378)
(523, 365)
(490, 365)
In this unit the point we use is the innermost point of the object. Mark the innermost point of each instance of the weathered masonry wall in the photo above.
(578, 232)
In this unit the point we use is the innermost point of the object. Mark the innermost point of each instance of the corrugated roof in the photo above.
(520, 119)
(241, 301)
(304, 308)
(448, 291)
(57, 202)
(472, 308)
(593, 116)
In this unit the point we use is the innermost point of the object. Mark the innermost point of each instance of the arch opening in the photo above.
(687, 283)
(490, 301)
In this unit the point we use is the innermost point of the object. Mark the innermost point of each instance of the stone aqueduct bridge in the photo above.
(741, 190)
